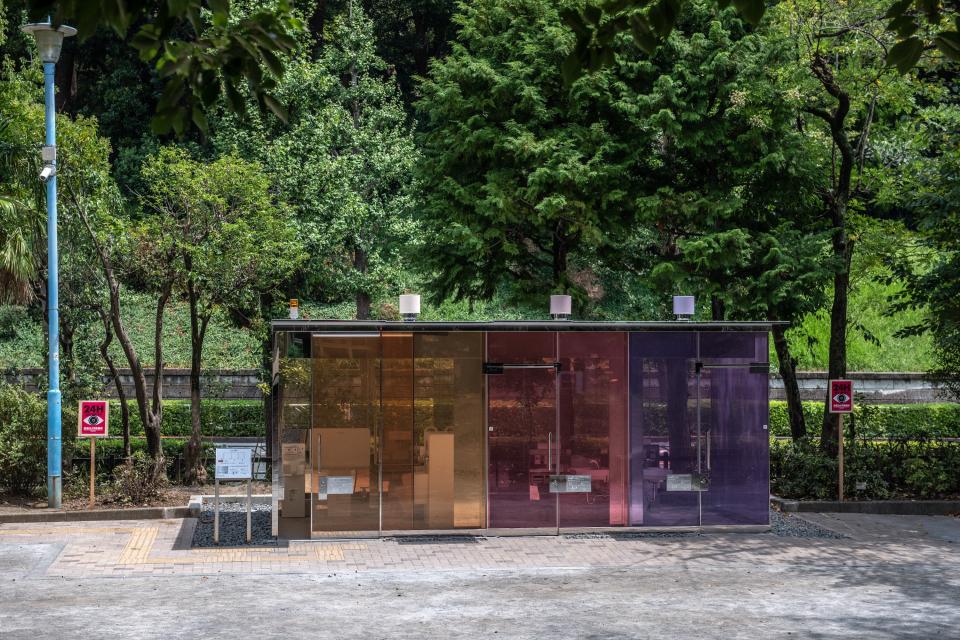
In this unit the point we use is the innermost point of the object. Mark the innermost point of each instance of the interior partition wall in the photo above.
(412, 429)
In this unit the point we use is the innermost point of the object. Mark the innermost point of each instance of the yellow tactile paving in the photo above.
(140, 548)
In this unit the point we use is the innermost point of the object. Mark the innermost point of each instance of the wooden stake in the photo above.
(93, 469)
(840, 454)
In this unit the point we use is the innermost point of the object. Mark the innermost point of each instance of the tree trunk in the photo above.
(363, 298)
(836, 200)
(316, 23)
(560, 256)
(421, 49)
(155, 414)
(196, 473)
(718, 310)
(837, 364)
(115, 375)
(66, 343)
(788, 373)
(151, 413)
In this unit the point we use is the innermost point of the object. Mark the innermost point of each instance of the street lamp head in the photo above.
(49, 40)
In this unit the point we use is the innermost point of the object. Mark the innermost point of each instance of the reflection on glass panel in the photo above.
(663, 423)
(449, 437)
(734, 346)
(733, 415)
(522, 419)
(593, 432)
(292, 421)
(398, 437)
(346, 410)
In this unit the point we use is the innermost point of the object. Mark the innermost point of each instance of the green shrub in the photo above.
(139, 479)
(798, 469)
(23, 439)
(898, 468)
(912, 421)
(224, 418)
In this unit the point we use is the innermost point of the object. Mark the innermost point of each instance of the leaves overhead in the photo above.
(919, 24)
(197, 48)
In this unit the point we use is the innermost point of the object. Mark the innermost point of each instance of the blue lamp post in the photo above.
(49, 42)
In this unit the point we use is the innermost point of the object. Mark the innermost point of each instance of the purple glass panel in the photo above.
(663, 460)
(734, 347)
(733, 418)
(521, 419)
(593, 429)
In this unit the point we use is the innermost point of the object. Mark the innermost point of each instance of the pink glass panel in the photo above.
(521, 419)
(593, 426)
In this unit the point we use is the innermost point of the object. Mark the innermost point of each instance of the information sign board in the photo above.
(93, 418)
(571, 484)
(234, 464)
(841, 396)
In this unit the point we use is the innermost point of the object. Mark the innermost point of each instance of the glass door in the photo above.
(522, 430)
(733, 387)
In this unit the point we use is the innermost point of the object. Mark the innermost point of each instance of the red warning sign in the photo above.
(93, 418)
(841, 396)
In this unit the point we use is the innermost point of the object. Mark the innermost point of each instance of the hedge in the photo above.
(911, 421)
(223, 418)
(889, 469)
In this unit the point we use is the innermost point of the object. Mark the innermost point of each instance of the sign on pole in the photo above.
(840, 401)
(232, 464)
(841, 396)
(93, 419)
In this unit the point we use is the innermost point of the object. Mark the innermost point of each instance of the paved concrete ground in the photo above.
(895, 577)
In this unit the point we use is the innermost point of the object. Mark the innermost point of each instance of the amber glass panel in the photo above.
(292, 422)
(398, 432)
(346, 410)
(593, 426)
(449, 440)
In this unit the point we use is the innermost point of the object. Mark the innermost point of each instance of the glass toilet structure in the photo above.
(385, 427)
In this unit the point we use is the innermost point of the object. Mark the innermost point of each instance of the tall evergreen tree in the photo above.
(520, 173)
(344, 163)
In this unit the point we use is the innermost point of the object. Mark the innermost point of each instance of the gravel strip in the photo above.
(233, 525)
(790, 526)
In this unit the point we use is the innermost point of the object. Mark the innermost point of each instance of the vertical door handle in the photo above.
(549, 453)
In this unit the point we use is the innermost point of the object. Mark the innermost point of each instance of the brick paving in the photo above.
(161, 547)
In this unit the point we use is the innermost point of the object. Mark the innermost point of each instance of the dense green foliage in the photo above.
(23, 440)
(897, 469)
(910, 421)
(343, 163)
(772, 167)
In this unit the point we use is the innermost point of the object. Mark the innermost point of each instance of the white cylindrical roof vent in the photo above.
(684, 307)
(560, 307)
(409, 306)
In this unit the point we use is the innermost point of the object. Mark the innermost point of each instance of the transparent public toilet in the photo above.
(379, 428)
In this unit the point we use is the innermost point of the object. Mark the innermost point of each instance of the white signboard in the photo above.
(680, 482)
(234, 464)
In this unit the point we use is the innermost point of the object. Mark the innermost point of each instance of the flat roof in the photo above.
(349, 326)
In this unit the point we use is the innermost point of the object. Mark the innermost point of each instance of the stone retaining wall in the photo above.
(242, 384)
